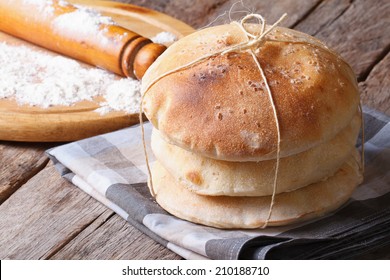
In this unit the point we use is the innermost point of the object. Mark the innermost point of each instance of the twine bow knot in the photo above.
(254, 40)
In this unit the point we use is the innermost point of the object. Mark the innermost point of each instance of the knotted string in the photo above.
(254, 42)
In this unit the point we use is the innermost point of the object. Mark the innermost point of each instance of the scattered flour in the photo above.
(43, 4)
(164, 38)
(37, 78)
(40, 79)
(83, 23)
(123, 95)
(45, 7)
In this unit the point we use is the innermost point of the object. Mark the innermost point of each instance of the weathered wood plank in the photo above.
(44, 214)
(88, 229)
(374, 90)
(322, 16)
(114, 239)
(204, 12)
(192, 13)
(272, 11)
(360, 34)
(18, 163)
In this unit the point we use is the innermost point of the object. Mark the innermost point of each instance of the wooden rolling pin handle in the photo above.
(107, 45)
(138, 55)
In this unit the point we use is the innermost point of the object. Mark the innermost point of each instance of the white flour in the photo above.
(164, 38)
(43, 4)
(39, 79)
(45, 7)
(83, 23)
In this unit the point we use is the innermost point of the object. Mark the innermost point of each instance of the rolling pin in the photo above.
(79, 33)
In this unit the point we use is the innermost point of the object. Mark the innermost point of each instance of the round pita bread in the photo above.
(220, 107)
(206, 176)
(251, 212)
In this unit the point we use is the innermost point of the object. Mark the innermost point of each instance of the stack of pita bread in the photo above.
(217, 129)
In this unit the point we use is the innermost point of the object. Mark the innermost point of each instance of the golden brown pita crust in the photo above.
(206, 176)
(251, 212)
(220, 108)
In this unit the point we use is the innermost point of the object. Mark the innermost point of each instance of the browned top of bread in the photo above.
(220, 107)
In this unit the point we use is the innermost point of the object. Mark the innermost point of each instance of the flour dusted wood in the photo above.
(40, 79)
(78, 119)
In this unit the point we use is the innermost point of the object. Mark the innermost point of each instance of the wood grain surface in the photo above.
(18, 163)
(43, 216)
(111, 237)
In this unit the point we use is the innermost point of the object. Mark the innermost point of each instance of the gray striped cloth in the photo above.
(111, 168)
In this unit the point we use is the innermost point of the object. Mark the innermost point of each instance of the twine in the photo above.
(363, 139)
(141, 122)
(255, 41)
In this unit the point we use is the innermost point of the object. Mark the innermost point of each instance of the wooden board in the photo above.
(57, 220)
(68, 123)
(375, 89)
(112, 238)
(18, 163)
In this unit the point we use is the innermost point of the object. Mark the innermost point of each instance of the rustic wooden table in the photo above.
(42, 216)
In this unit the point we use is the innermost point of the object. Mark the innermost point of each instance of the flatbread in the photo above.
(206, 176)
(220, 107)
(251, 212)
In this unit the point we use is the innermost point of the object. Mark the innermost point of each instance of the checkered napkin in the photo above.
(111, 168)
